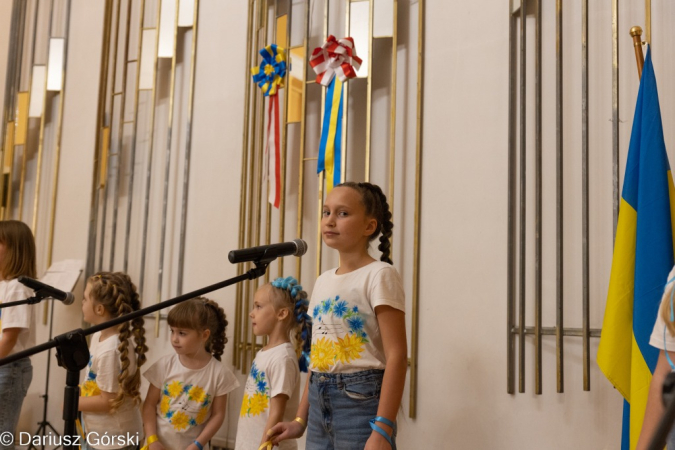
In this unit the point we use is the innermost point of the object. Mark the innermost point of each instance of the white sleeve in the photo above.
(155, 373)
(658, 339)
(387, 289)
(107, 370)
(282, 373)
(227, 381)
(17, 316)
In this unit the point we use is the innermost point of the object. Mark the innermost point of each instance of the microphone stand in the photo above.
(72, 351)
(658, 441)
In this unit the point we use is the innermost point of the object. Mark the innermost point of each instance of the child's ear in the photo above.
(371, 226)
(205, 334)
(99, 309)
(283, 313)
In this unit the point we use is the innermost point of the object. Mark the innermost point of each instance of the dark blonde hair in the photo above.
(19, 250)
(287, 293)
(201, 314)
(375, 203)
(117, 294)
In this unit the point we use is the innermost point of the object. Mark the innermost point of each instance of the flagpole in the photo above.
(636, 33)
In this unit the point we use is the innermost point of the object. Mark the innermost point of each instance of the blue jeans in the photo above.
(340, 408)
(14, 381)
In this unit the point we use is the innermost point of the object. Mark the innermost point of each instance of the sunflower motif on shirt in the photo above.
(183, 393)
(326, 352)
(258, 402)
(89, 387)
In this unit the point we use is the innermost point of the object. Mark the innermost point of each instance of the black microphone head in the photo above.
(70, 298)
(301, 247)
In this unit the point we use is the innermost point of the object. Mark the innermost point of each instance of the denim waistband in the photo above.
(23, 362)
(353, 377)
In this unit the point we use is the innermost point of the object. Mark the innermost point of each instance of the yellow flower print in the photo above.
(164, 405)
(349, 348)
(180, 420)
(323, 354)
(201, 416)
(244, 405)
(258, 403)
(174, 388)
(197, 394)
(89, 389)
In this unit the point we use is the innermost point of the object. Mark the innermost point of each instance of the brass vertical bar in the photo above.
(284, 140)
(104, 193)
(560, 374)
(57, 150)
(41, 139)
(345, 101)
(148, 169)
(522, 186)
(268, 205)
(120, 136)
(636, 34)
(24, 157)
(648, 22)
(239, 314)
(511, 224)
(188, 152)
(585, 198)
(616, 193)
(418, 210)
(95, 197)
(134, 136)
(10, 91)
(369, 90)
(303, 128)
(392, 116)
(322, 175)
(538, 204)
(167, 166)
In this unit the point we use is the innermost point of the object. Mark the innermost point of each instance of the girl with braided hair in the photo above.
(187, 397)
(358, 357)
(273, 385)
(110, 397)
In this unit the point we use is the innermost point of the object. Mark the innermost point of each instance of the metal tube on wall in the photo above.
(322, 175)
(284, 141)
(414, 334)
(134, 134)
(10, 91)
(167, 168)
(636, 34)
(120, 136)
(345, 102)
(616, 193)
(239, 314)
(585, 197)
(522, 215)
(369, 91)
(392, 116)
(560, 381)
(188, 152)
(648, 22)
(511, 208)
(538, 204)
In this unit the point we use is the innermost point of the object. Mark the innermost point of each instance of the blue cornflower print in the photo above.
(193, 422)
(316, 311)
(340, 309)
(355, 309)
(262, 385)
(355, 323)
(169, 414)
(254, 371)
(325, 306)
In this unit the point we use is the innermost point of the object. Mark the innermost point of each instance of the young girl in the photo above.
(110, 397)
(17, 257)
(359, 350)
(272, 388)
(187, 396)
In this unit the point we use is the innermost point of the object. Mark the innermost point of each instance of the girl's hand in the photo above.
(158, 446)
(286, 430)
(377, 442)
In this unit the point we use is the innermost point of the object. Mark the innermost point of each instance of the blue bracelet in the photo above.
(199, 446)
(385, 421)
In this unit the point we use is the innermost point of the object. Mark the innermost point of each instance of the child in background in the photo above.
(17, 258)
(359, 347)
(187, 397)
(110, 397)
(272, 388)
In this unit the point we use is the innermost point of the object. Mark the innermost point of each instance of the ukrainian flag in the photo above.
(643, 257)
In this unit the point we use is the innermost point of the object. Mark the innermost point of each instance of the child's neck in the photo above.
(351, 261)
(196, 360)
(108, 332)
(277, 337)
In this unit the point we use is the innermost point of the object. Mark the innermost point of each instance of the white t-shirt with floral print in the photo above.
(186, 398)
(274, 371)
(22, 316)
(345, 333)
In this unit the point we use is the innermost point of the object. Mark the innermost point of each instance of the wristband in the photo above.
(385, 421)
(301, 421)
(199, 446)
(152, 439)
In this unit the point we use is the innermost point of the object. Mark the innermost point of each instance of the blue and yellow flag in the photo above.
(643, 257)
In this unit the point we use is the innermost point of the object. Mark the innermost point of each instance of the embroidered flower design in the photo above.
(174, 389)
(259, 403)
(180, 420)
(349, 348)
(322, 355)
(196, 394)
(256, 403)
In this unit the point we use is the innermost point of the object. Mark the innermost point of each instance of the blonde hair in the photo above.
(19, 250)
(287, 293)
(117, 294)
(201, 314)
(665, 312)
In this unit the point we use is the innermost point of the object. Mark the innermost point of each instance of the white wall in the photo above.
(462, 399)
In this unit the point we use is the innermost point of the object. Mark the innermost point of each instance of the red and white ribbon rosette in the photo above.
(335, 57)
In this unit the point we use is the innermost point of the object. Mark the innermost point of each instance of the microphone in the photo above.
(297, 247)
(44, 290)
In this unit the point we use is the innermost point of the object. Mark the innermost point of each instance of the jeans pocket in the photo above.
(363, 390)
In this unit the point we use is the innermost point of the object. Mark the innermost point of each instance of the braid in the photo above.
(218, 338)
(293, 294)
(376, 206)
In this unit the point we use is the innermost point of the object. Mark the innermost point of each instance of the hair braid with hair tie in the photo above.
(302, 321)
(218, 338)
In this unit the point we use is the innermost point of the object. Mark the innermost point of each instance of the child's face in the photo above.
(188, 342)
(344, 224)
(91, 309)
(263, 315)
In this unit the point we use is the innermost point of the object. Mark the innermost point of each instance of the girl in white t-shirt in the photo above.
(272, 387)
(17, 258)
(359, 350)
(109, 394)
(187, 397)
